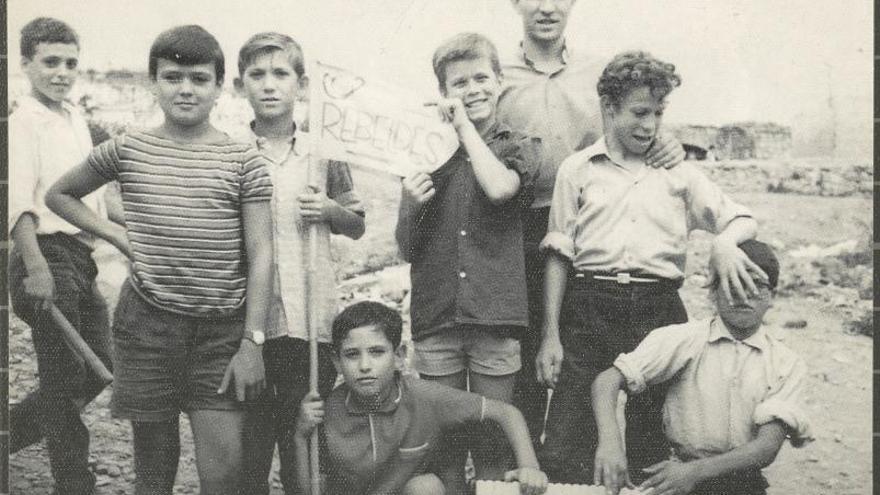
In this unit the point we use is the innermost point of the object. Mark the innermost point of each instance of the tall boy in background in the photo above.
(272, 77)
(617, 244)
(185, 338)
(460, 228)
(51, 260)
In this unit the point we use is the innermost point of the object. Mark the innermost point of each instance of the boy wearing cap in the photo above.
(733, 397)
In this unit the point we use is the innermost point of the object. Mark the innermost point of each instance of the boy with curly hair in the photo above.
(616, 245)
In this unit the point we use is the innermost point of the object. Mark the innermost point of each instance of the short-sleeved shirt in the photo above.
(289, 169)
(560, 107)
(377, 452)
(720, 389)
(466, 253)
(183, 216)
(607, 218)
(43, 146)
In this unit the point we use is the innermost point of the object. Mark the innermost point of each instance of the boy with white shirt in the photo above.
(51, 261)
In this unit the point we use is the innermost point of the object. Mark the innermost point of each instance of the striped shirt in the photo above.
(182, 205)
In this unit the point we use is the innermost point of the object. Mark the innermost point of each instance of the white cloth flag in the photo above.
(373, 124)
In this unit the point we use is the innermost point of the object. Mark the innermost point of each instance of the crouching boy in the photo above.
(733, 397)
(380, 429)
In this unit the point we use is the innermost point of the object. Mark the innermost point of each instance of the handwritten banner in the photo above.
(373, 124)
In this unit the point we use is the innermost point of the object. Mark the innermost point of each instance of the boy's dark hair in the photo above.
(632, 70)
(261, 43)
(464, 46)
(367, 313)
(762, 255)
(45, 30)
(188, 45)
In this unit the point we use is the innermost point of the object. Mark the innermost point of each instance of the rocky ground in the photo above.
(823, 311)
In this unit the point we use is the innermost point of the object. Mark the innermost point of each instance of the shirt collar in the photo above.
(497, 131)
(30, 102)
(531, 64)
(599, 148)
(719, 331)
(299, 140)
(390, 404)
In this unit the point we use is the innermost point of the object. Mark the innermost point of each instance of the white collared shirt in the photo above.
(720, 389)
(43, 146)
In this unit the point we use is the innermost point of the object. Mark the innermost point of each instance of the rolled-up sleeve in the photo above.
(709, 208)
(561, 227)
(662, 354)
(785, 404)
(24, 169)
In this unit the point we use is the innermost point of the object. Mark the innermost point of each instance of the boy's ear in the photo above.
(335, 358)
(400, 356)
(304, 83)
(606, 103)
(238, 84)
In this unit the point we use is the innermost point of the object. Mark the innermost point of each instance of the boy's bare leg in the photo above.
(424, 484)
(491, 451)
(218, 446)
(156, 453)
(452, 454)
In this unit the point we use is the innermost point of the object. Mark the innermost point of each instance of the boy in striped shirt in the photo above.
(195, 202)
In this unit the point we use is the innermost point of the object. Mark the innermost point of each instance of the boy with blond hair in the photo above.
(185, 338)
(460, 227)
(306, 194)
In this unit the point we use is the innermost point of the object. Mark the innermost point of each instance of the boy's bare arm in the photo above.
(730, 265)
(63, 198)
(673, 477)
(529, 475)
(39, 284)
(549, 359)
(246, 369)
(496, 180)
(610, 467)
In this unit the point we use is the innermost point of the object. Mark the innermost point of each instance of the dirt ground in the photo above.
(838, 395)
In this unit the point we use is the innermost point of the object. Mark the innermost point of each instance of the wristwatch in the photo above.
(257, 337)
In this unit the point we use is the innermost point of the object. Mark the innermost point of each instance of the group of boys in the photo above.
(543, 254)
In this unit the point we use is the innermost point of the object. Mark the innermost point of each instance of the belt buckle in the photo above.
(624, 278)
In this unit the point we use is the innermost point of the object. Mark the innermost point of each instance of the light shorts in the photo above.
(491, 351)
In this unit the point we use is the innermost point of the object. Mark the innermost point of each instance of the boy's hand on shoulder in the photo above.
(548, 362)
(731, 267)
(315, 206)
(418, 189)
(671, 478)
(245, 372)
(452, 111)
(532, 481)
(40, 286)
(311, 414)
(610, 469)
(665, 152)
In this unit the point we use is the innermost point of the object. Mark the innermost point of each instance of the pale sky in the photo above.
(786, 61)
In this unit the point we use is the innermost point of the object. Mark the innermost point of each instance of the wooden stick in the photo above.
(79, 347)
(311, 318)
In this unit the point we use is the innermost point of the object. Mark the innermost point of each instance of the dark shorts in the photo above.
(600, 320)
(165, 362)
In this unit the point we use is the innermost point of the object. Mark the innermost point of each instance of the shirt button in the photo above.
(463, 233)
(462, 274)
